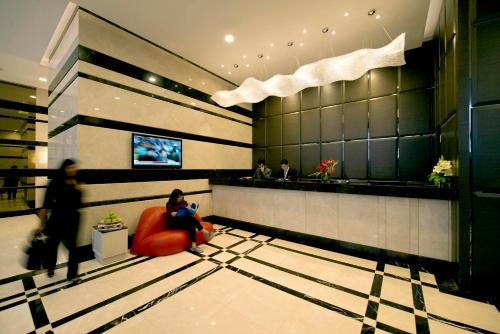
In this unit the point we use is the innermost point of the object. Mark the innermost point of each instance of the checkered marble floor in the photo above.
(244, 283)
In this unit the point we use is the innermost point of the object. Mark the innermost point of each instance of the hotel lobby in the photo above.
(345, 156)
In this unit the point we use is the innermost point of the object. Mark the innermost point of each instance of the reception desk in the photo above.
(408, 218)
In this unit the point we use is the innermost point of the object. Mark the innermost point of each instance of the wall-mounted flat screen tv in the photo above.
(152, 151)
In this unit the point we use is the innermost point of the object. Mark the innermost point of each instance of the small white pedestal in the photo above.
(110, 246)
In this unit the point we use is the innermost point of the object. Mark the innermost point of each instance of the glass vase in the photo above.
(325, 178)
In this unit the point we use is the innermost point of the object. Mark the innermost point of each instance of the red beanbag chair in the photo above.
(153, 238)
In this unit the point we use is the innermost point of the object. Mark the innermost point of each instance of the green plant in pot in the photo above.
(111, 218)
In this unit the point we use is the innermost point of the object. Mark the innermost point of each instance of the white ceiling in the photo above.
(195, 30)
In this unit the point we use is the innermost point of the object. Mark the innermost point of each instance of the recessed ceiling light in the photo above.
(346, 14)
(152, 79)
(304, 31)
(42, 79)
(117, 97)
(97, 109)
(229, 73)
(371, 12)
(289, 43)
(33, 96)
(271, 44)
(61, 110)
(229, 38)
(53, 116)
(267, 57)
(324, 30)
(203, 83)
(222, 65)
(244, 56)
(377, 17)
(260, 55)
(333, 32)
(247, 65)
(235, 65)
(301, 44)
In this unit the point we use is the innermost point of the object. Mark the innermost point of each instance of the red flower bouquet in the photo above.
(325, 169)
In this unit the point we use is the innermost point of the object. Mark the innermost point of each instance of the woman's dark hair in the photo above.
(261, 161)
(61, 172)
(172, 199)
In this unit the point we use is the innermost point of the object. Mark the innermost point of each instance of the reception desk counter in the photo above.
(408, 218)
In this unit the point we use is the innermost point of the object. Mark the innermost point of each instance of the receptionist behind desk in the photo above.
(262, 171)
(286, 172)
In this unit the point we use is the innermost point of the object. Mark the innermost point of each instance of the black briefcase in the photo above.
(36, 252)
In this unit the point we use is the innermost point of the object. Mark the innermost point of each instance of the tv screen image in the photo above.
(152, 151)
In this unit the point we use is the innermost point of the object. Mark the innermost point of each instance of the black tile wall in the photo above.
(259, 132)
(356, 159)
(309, 158)
(291, 103)
(415, 158)
(258, 153)
(414, 112)
(310, 126)
(291, 128)
(259, 109)
(332, 93)
(341, 120)
(310, 98)
(487, 81)
(356, 120)
(383, 158)
(383, 116)
(357, 89)
(331, 123)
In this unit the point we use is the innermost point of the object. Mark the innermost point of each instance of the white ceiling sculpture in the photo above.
(350, 66)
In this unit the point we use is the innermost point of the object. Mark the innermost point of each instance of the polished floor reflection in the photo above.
(243, 282)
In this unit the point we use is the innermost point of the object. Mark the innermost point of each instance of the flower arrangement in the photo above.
(442, 172)
(325, 169)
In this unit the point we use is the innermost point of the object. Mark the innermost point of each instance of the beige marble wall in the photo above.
(410, 225)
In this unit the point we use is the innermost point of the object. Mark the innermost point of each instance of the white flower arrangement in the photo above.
(442, 172)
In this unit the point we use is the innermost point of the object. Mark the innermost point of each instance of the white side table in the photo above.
(110, 246)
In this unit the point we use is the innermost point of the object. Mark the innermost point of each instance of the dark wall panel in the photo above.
(274, 131)
(414, 112)
(356, 120)
(356, 90)
(355, 159)
(449, 141)
(291, 103)
(309, 158)
(292, 154)
(310, 126)
(273, 106)
(487, 87)
(418, 70)
(331, 123)
(310, 98)
(415, 158)
(383, 117)
(257, 153)
(333, 151)
(291, 128)
(259, 132)
(383, 159)
(274, 158)
(259, 109)
(486, 148)
(331, 94)
(383, 81)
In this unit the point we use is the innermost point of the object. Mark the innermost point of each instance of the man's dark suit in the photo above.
(291, 175)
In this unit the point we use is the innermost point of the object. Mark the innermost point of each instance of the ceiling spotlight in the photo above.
(42, 79)
(333, 32)
(117, 98)
(152, 79)
(271, 44)
(235, 65)
(244, 56)
(301, 44)
(289, 43)
(53, 116)
(222, 65)
(260, 55)
(324, 30)
(33, 96)
(346, 14)
(229, 73)
(304, 31)
(229, 38)
(267, 57)
(371, 12)
(61, 110)
(97, 109)
(377, 17)
(203, 83)
(247, 65)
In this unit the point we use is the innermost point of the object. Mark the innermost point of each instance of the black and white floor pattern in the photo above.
(242, 283)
